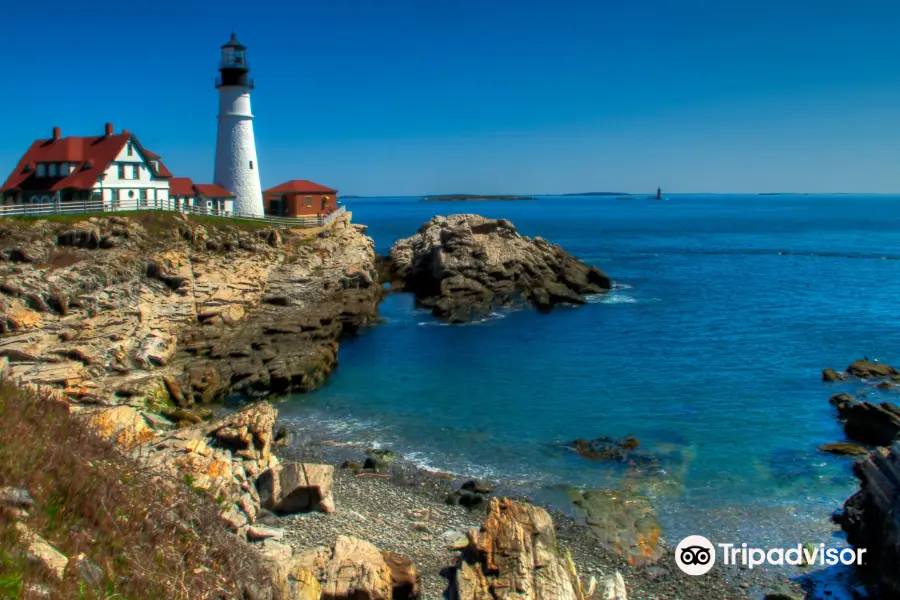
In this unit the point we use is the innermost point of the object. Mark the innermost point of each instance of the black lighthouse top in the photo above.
(233, 65)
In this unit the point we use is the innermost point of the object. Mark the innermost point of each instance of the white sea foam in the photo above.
(622, 286)
(491, 317)
(611, 298)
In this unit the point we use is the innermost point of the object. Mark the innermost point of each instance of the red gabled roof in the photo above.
(181, 186)
(301, 186)
(211, 190)
(91, 156)
(160, 167)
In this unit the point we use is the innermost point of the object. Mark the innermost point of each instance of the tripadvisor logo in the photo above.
(696, 555)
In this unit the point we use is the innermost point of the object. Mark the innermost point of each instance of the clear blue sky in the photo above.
(428, 96)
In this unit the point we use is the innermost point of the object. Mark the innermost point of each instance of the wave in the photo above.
(612, 297)
(494, 316)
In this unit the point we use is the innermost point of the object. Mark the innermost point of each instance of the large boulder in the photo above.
(871, 519)
(870, 369)
(296, 487)
(354, 569)
(293, 580)
(121, 424)
(248, 434)
(875, 424)
(462, 267)
(515, 549)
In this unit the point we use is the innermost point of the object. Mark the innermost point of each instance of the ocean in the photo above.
(709, 351)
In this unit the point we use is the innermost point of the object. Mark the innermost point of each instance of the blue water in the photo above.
(709, 352)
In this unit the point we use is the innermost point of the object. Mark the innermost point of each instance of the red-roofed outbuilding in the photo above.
(300, 198)
(201, 198)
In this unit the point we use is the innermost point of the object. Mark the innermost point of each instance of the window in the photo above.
(251, 165)
(137, 171)
(97, 196)
(130, 149)
(143, 197)
(52, 170)
(131, 193)
(309, 202)
(121, 171)
(63, 168)
(155, 165)
(41, 170)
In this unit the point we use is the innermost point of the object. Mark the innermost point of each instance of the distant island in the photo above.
(473, 198)
(596, 194)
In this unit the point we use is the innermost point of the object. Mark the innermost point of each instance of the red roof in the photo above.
(301, 186)
(211, 190)
(91, 155)
(181, 186)
(160, 167)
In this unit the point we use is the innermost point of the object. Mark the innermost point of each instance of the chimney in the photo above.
(109, 129)
(57, 133)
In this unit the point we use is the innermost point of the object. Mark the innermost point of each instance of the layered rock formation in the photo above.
(515, 555)
(156, 310)
(132, 322)
(871, 518)
(462, 267)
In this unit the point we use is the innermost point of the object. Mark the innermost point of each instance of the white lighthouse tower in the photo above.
(237, 169)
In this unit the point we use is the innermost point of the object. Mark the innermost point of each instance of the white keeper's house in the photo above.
(113, 168)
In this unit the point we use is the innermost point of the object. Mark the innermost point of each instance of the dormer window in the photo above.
(51, 170)
(130, 149)
(42, 170)
(155, 165)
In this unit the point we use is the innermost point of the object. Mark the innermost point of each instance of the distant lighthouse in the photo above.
(237, 169)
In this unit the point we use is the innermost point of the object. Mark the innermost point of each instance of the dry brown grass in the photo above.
(153, 537)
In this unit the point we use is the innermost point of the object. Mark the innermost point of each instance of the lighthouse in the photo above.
(237, 169)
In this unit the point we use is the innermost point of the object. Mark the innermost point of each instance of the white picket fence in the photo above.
(106, 206)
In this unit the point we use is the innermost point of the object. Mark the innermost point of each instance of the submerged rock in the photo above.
(610, 449)
(463, 267)
(845, 449)
(623, 522)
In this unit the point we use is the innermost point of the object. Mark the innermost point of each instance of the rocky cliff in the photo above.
(464, 266)
(871, 518)
(156, 311)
